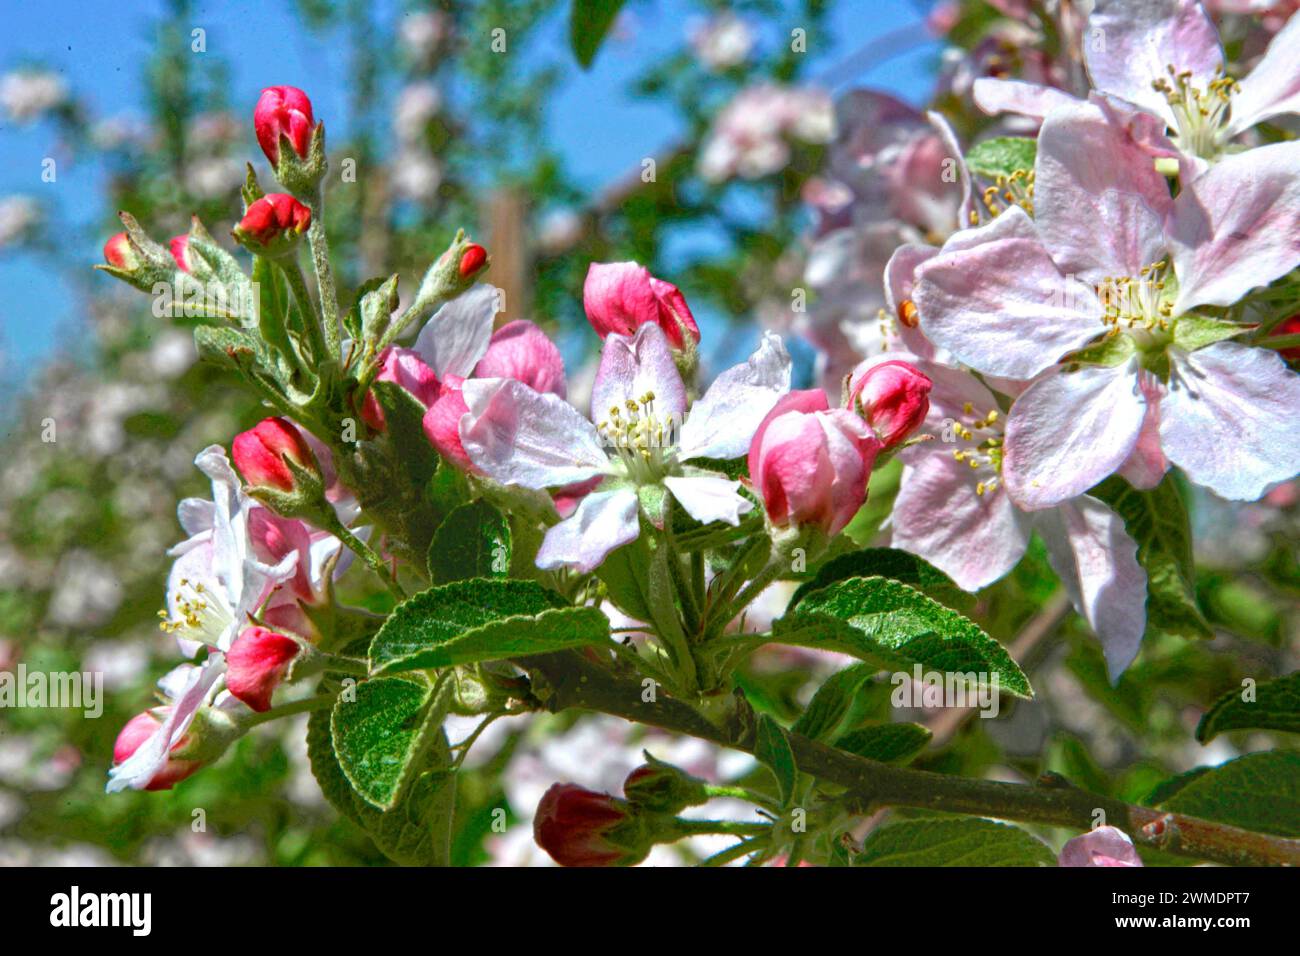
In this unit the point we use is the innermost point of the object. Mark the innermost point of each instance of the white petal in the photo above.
(709, 497)
(722, 422)
(1229, 419)
(1272, 88)
(1097, 562)
(1069, 430)
(522, 437)
(603, 521)
(452, 342)
(632, 366)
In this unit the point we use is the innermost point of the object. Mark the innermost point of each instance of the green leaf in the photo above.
(480, 620)
(1002, 156)
(417, 831)
(1260, 791)
(1157, 521)
(891, 625)
(379, 736)
(589, 22)
(472, 542)
(966, 842)
(1275, 706)
(827, 709)
(1192, 332)
(404, 430)
(885, 563)
(887, 743)
(772, 748)
(624, 573)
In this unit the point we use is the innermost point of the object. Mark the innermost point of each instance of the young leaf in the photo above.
(481, 620)
(380, 736)
(589, 22)
(966, 842)
(1157, 521)
(1275, 706)
(886, 563)
(891, 625)
(1260, 791)
(417, 831)
(887, 743)
(827, 709)
(472, 542)
(1002, 156)
(772, 748)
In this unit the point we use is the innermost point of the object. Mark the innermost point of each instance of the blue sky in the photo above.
(100, 49)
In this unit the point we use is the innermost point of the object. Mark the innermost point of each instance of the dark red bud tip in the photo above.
(472, 260)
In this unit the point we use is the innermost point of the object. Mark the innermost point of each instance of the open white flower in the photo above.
(640, 443)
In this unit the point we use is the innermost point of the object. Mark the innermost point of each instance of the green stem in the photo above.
(298, 284)
(319, 702)
(365, 553)
(1280, 341)
(738, 793)
(320, 257)
(743, 848)
(728, 827)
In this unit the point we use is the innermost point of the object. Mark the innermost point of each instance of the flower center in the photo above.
(1200, 114)
(1140, 305)
(1006, 191)
(981, 449)
(200, 616)
(641, 439)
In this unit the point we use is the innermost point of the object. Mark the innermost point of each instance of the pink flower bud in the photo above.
(283, 110)
(119, 253)
(256, 664)
(810, 463)
(1103, 846)
(442, 424)
(261, 451)
(893, 397)
(622, 296)
(405, 367)
(579, 827)
(522, 351)
(139, 729)
(472, 260)
(275, 218)
(180, 250)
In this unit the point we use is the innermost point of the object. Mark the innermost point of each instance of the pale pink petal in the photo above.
(974, 539)
(1228, 419)
(1147, 464)
(1104, 846)
(1069, 430)
(1131, 44)
(1016, 96)
(1096, 560)
(452, 342)
(1117, 235)
(603, 521)
(632, 367)
(1084, 151)
(1001, 306)
(722, 422)
(522, 437)
(1272, 88)
(709, 497)
(1237, 226)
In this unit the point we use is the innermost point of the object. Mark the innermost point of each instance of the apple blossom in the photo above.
(641, 443)
(179, 246)
(893, 397)
(256, 663)
(283, 111)
(1096, 298)
(579, 827)
(262, 454)
(1103, 846)
(272, 224)
(622, 296)
(137, 731)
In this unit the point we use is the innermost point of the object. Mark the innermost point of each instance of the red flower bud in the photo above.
(620, 297)
(579, 827)
(283, 110)
(256, 664)
(1289, 327)
(139, 729)
(261, 451)
(276, 216)
(180, 250)
(119, 253)
(472, 260)
(893, 397)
